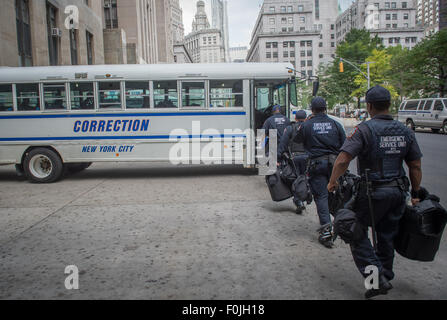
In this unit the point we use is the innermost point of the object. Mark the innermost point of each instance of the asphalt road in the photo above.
(148, 231)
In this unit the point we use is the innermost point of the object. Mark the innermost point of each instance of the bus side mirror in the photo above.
(316, 86)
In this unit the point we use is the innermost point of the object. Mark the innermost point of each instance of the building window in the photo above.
(404, 5)
(23, 33)
(302, 19)
(317, 9)
(53, 38)
(110, 14)
(290, 20)
(289, 9)
(292, 54)
(268, 55)
(300, 8)
(285, 54)
(387, 5)
(285, 44)
(272, 9)
(89, 37)
(405, 16)
(283, 20)
(272, 20)
(268, 45)
(309, 43)
(74, 46)
(275, 54)
(388, 16)
(394, 16)
(283, 9)
(309, 53)
(393, 5)
(275, 45)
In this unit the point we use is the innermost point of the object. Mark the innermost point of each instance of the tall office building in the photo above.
(219, 10)
(205, 43)
(33, 33)
(178, 28)
(300, 32)
(394, 22)
(428, 15)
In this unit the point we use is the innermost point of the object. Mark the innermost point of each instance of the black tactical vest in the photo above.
(294, 146)
(389, 145)
(322, 136)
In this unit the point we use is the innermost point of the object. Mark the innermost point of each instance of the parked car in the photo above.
(424, 113)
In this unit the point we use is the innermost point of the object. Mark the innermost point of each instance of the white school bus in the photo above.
(66, 117)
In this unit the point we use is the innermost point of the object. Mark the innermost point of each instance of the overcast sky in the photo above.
(242, 15)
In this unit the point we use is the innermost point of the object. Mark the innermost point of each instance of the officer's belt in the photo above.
(328, 157)
(401, 183)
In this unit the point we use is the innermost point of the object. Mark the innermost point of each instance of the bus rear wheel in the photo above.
(43, 165)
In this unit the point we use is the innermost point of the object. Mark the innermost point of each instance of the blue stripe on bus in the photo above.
(112, 115)
(123, 138)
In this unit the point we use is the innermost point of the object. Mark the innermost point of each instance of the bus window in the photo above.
(82, 96)
(263, 98)
(137, 95)
(55, 97)
(193, 94)
(279, 96)
(226, 94)
(6, 99)
(165, 94)
(109, 95)
(28, 97)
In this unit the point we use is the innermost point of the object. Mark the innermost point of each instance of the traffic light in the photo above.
(342, 67)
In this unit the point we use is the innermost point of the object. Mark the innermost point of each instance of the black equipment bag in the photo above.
(346, 226)
(301, 189)
(278, 189)
(348, 186)
(421, 230)
(287, 171)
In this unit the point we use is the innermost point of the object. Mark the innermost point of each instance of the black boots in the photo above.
(384, 287)
(326, 237)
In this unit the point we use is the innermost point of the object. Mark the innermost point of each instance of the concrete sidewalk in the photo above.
(143, 231)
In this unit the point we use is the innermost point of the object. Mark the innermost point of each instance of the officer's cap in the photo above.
(378, 94)
(318, 103)
(300, 115)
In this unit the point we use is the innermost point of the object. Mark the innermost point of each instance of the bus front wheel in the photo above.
(43, 165)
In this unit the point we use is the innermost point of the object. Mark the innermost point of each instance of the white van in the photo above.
(425, 113)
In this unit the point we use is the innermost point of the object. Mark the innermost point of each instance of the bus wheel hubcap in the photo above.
(41, 166)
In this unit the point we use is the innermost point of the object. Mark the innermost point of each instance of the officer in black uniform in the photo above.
(381, 145)
(322, 138)
(276, 122)
(296, 151)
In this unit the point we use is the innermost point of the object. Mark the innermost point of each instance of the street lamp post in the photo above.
(368, 77)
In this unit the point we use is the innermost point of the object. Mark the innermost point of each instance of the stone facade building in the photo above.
(394, 22)
(205, 44)
(299, 32)
(34, 33)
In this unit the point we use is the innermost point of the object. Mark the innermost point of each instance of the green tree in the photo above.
(428, 64)
(358, 46)
(380, 71)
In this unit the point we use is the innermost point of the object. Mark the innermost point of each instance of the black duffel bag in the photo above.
(421, 230)
(301, 189)
(347, 187)
(278, 189)
(287, 171)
